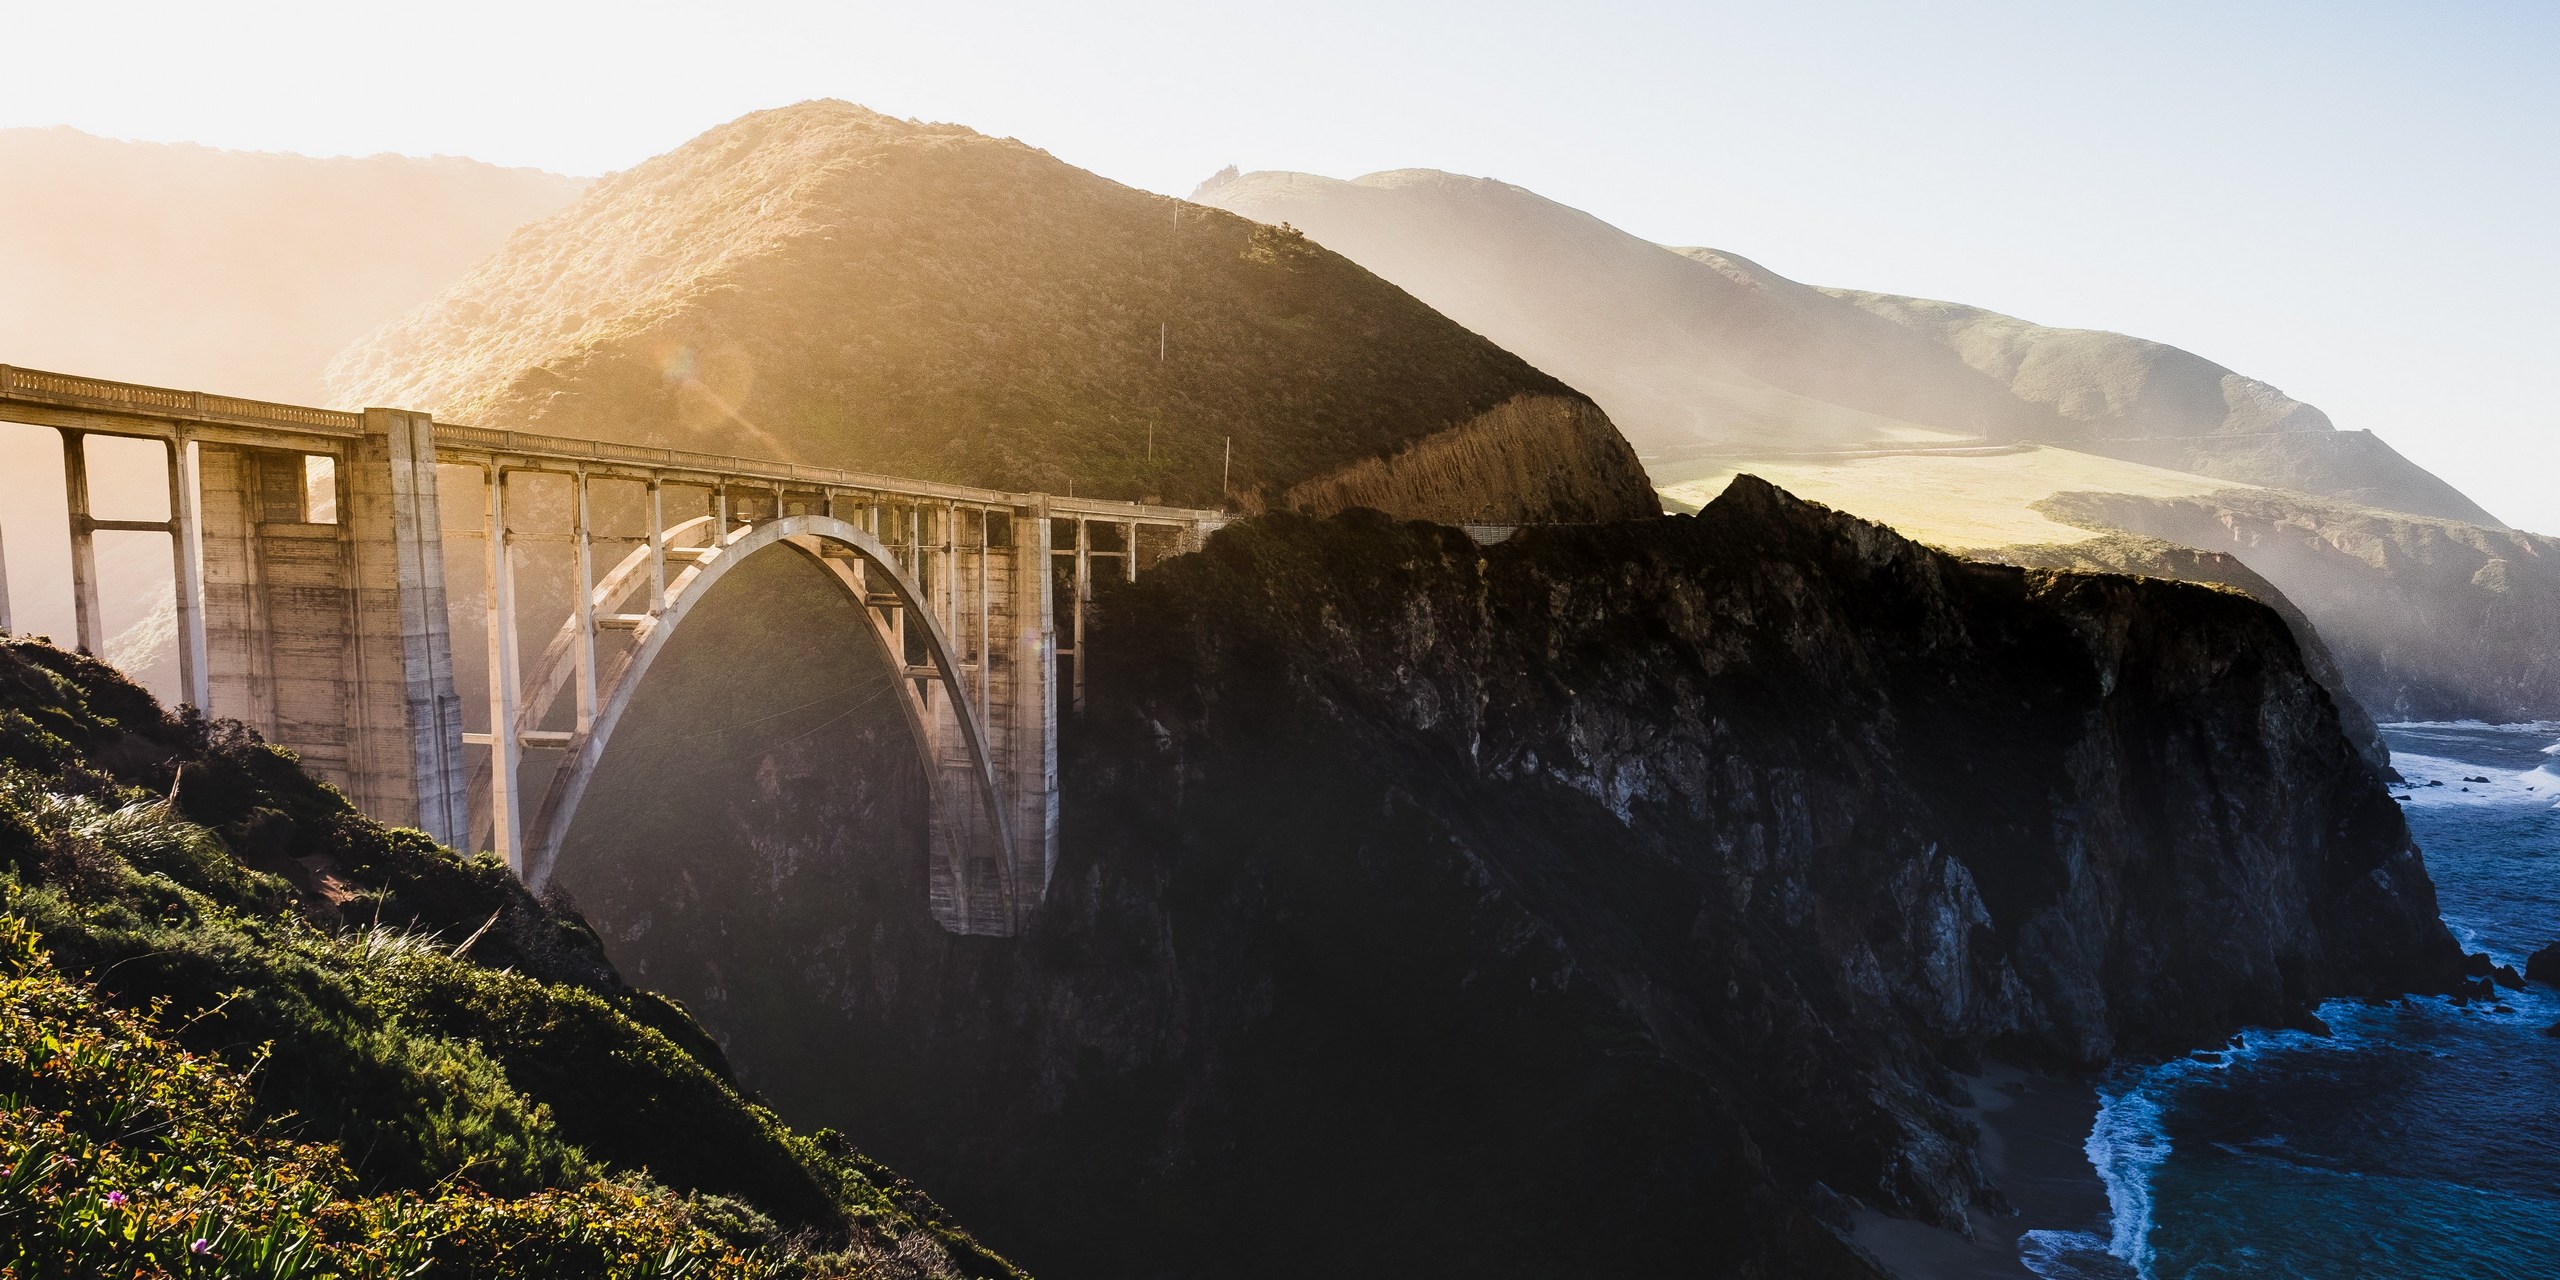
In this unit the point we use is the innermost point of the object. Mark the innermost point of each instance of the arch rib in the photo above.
(586, 748)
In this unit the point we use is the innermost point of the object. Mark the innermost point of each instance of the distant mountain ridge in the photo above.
(824, 283)
(1687, 356)
(2154, 403)
(1737, 361)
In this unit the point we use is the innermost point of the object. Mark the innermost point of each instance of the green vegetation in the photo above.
(237, 1012)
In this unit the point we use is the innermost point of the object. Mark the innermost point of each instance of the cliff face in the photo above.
(1612, 900)
(1532, 458)
(2431, 619)
(2154, 558)
(822, 283)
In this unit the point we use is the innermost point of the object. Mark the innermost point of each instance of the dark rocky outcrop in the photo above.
(1612, 900)
(2544, 966)
(2154, 558)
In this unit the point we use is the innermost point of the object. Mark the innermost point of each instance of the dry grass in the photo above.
(1953, 500)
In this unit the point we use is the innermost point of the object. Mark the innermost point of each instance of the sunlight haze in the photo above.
(2352, 202)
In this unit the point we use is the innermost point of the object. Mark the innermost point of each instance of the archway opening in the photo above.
(761, 794)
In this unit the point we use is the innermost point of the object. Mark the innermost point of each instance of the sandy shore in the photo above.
(2034, 1129)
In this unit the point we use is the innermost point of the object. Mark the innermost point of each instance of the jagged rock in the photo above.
(2544, 966)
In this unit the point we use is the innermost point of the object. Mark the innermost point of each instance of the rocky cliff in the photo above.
(822, 283)
(1534, 458)
(2155, 558)
(1611, 900)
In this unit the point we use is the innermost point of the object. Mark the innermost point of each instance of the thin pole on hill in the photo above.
(1229, 469)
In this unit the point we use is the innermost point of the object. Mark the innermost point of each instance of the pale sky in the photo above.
(2357, 202)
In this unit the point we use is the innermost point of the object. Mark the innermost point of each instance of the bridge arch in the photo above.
(871, 576)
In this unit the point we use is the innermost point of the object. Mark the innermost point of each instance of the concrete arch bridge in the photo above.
(365, 588)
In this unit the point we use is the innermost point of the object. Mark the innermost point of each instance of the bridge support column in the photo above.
(1032, 623)
(329, 636)
(409, 756)
(84, 546)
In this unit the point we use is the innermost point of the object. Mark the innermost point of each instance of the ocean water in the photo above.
(2419, 1139)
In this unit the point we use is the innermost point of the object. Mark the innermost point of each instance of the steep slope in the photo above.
(290, 1041)
(2151, 402)
(1608, 901)
(1688, 357)
(235, 271)
(824, 283)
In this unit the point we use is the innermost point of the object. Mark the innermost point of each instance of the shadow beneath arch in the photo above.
(753, 842)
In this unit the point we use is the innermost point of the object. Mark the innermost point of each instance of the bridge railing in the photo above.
(73, 391)
(459, 441)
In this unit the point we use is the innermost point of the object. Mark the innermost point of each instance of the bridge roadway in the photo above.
(318, 593)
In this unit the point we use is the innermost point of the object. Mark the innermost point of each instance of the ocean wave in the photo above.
(2514, 726)
(2130, 1140)
(2070, 1255)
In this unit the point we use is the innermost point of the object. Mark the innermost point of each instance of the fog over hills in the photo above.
(1960, 426)
(827, 284)
(1701, 354)
(236, 271)
(1690, 357)
(2151, 402)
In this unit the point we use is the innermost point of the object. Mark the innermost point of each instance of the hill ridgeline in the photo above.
(822, 283)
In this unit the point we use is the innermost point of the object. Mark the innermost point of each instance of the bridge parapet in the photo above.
(315, 601)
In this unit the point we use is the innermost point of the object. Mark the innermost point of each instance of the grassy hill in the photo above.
(1713, 363)
(824, 283)
(245, 1031)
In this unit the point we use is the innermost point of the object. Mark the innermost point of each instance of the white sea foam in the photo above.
(2127, 1146)
(2502, 786)
(2130, 1140)
(2069, 1255)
